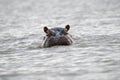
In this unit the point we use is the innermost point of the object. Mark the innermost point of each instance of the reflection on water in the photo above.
(94, 27)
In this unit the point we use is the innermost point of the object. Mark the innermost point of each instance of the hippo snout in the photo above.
(57, 36)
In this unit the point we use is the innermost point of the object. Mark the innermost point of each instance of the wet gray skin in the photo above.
(57, 36)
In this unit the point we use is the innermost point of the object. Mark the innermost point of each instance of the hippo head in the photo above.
(57, 36)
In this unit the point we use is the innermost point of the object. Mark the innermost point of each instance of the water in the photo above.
(95, 27)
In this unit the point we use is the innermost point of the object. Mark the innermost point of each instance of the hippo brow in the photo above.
(57, 29)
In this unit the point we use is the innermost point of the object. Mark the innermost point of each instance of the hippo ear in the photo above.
(45, 29)
(67, 27)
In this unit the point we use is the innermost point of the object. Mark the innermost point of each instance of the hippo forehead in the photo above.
(57, 29)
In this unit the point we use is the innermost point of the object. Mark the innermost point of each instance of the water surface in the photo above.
(95, 27)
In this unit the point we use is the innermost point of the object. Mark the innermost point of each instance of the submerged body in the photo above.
(57, 36)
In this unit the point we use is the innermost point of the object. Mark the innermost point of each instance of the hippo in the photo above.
(57, 36)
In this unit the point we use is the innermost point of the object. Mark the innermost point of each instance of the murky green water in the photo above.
(95, 27)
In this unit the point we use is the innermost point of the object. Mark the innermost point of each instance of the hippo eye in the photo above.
(64, 32)
(51, 33)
